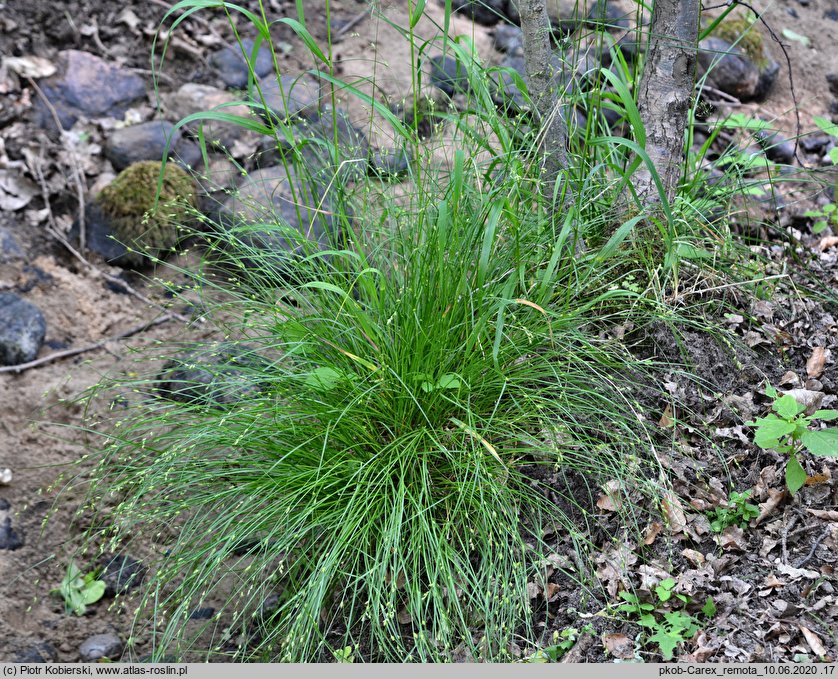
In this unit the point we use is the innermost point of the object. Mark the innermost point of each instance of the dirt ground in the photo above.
(774, 583)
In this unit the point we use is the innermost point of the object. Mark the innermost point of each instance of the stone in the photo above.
(194, 98)
(486, 12)
(204, 613)
(9, 538)
(728, 68)
(312, 146)
(509, 39)
(101, 646)
(41, 652)
(608, 15)
(22, 329)
(218, 374)
(87, 86)
(231, 66)
(777, 148)
(814, 143)
(121, 574)
(144, 141)
(449, 75)
(10, 250)
(393, 163)
(287, 98)
(280, 224)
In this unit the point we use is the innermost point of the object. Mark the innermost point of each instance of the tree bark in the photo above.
(543, 88)
(665, 93)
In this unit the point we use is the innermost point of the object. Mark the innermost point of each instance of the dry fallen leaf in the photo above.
(533, 590)
(817, 361)
(610, 502)
(806, 397)
(775, 497)
(694, 557)
(619, 645)
(789, 379)
(827, 242)
(15, 191)
(814, 641)
(30, 66)
(674, 512)
(666, 419)
(652, 532)
(404, 617)
(733, 537)
(826, 514)
(772, 581)
(552, 592)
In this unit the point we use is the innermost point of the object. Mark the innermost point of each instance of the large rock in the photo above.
(101, 646)
(148, 141)
(219, 374)
(732, 71)
(312, 145)
(487, 12)
(22, 329)
(283, 218)
(232, 68)
(194, 98)
(287, 98)
(87, 86)
(449, 75)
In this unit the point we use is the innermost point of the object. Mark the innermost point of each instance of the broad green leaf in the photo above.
(325, 378)
(833, 155)
(795, 475)
(687, 251)
(647, 620)
(787, 407)
(666, 642)
(825, 415)
(416, 14)
(709, 608)
(825, 125)
(628, 596)
(770, 429)
(823, 442)
(93, 592)
(770, 391)
(449, 381)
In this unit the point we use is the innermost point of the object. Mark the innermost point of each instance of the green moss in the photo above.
(128, 202)
(741, 31)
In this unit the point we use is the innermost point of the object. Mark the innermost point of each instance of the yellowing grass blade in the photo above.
(471, 432)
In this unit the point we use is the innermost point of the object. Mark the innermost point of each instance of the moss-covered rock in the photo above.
(742, 30)
(128, 204)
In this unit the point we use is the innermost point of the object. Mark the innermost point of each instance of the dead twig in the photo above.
(77, 174)
(17, 369)
(339, 34)
(817, 541)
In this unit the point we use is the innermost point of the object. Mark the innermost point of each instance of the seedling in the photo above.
(738, 512)
(78, 590)
(562, 642)
(786, 430)
(825, 217)
(667, 621)
(344, 655)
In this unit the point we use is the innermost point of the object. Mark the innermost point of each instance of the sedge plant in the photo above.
(372, 488)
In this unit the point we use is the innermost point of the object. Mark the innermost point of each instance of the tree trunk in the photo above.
(541, 80)
(665, 93)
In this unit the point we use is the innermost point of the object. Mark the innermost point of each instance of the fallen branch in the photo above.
(19, 368)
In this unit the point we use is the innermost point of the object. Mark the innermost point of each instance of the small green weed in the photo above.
(344, 655)
(786, 430)
(666, 618)
(79, 590)
(562, 642)
(738, 512)
(825, 217)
